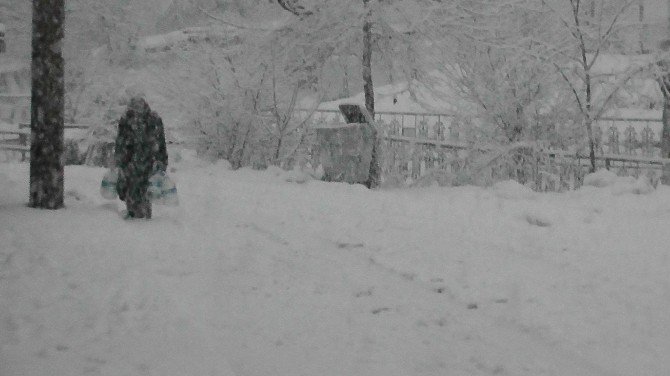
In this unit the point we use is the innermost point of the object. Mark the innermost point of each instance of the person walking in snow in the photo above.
(139, 152)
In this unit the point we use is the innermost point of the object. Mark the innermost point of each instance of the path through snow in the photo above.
(252, 275)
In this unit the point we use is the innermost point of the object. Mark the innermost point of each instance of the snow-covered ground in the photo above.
(269, 273)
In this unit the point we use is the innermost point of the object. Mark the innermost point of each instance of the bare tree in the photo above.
(664, 83)
(294, 7)
(47, 105)
(585, 35)
(368, 87)
(366, 65)
(665, 136)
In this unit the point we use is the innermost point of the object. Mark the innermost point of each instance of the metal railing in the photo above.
(613, 135)
(418, 142)
(14, 107)
(18, 139)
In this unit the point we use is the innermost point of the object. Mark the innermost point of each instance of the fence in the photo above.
(613, 135)
(14, 108)
(416, 143)
(17, 139)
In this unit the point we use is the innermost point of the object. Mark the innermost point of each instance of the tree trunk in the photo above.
(277, 161)
(368, 89)
(592, 145)
(367, 65)
(589, 120)
(643, 27)
(47, 105)
(586, 110)
(665, 134)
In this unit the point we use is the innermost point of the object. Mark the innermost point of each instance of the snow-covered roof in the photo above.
(620, 64)
(384, 100)
(155, 42)
(634, 113)
(192, 34)
(435, 97)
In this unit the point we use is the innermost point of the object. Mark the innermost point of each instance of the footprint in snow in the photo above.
(361, 294)
(377, 311)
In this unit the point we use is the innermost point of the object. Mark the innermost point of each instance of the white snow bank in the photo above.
(618, 184)
(601, 178)
(513, 190)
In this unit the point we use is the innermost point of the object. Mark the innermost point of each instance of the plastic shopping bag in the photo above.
(108, 184)
(162, 190)
(155, 189)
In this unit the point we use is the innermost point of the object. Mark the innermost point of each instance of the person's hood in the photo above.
(138, 105)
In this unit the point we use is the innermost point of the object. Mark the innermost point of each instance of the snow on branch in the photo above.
(238, 25)
(293, 7)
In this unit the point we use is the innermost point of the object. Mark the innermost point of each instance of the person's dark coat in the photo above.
(139, 152)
